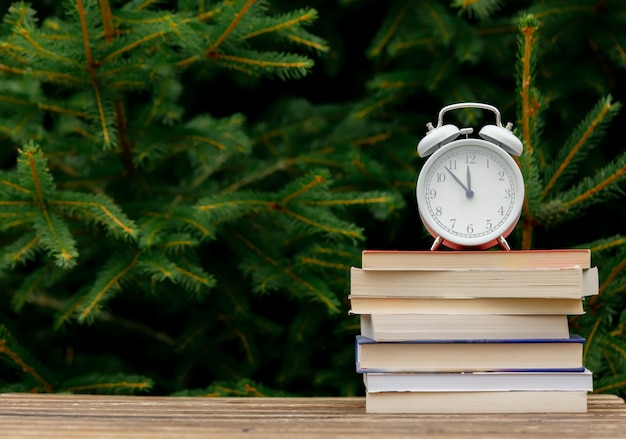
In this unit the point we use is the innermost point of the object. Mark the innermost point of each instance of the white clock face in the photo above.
(470, 193)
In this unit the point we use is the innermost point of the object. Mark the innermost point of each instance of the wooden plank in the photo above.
(53, 416)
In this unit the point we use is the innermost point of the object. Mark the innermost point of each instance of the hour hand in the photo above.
(469, 193)
(457, 180)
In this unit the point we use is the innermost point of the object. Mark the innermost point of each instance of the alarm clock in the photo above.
(470, 191)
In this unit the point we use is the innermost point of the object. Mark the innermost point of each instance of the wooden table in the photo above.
(51, 416)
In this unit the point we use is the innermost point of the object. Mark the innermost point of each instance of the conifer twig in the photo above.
(107, 19)
(7, 348)
(576, 148)
(91, 66)
(529, 108)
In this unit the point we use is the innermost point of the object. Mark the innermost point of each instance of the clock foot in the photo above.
(436, 244)
(503, 243)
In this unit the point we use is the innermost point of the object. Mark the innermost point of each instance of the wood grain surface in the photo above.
(51, 416)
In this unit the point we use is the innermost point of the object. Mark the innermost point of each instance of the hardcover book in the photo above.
(560, 381)
(399, 327)
(464, 305)
(469, 355)
(558, 283)
(476, 402)
(492, 259)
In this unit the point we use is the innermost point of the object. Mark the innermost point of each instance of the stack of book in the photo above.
(472, 332)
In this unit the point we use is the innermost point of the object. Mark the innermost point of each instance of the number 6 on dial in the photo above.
(470, 191)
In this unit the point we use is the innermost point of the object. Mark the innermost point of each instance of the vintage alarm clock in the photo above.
(470, 191)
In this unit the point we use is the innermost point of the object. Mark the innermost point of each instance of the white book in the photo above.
(464, 305)
(478, 381)
(563, 283)
(469, 355)
(476, 402)
(401, 327)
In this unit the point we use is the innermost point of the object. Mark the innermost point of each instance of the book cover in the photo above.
(573, 282)
(469, 355)
(398, 327)
(451, 259)
(479, 381)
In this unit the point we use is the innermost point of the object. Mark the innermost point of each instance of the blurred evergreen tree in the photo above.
(185, 184)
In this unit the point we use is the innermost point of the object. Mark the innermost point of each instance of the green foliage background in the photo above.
(185, 184)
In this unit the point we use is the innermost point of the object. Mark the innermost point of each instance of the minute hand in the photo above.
(456, 179)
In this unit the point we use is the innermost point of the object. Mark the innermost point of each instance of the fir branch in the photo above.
(529, 27)
(303, 38)
(301, 186)
(13, 354)
(241, 388)
(231, 206)
(68, 309)
(43, 52)
(91, 66)
(282, 23)
(590, 340)
(588, 191)
(313, 289)
(285, 66)
(549, 10)
(20, 251)
(605, 244)
(54, 234)
(9, 220)
(610, 384)
(615, 346)
(391, 27)
(194, 279)
(584, 137)
(98, 208)
(118, 384)
(108, 281)
(61, 78)
(324, 264)
(329, 225)
(186, 216)
(8, 181)
(45, 106)
(107, 19)
(269, 273)
(56, 238)
(481, 9)
(122, 134)
(33, 174)
(29, 287)
(616, 269)
(130, 47)
(214, 47)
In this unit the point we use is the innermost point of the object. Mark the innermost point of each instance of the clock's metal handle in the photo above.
(469, 105)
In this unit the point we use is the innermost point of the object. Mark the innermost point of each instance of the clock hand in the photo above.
(469, 193)
(457, 179)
